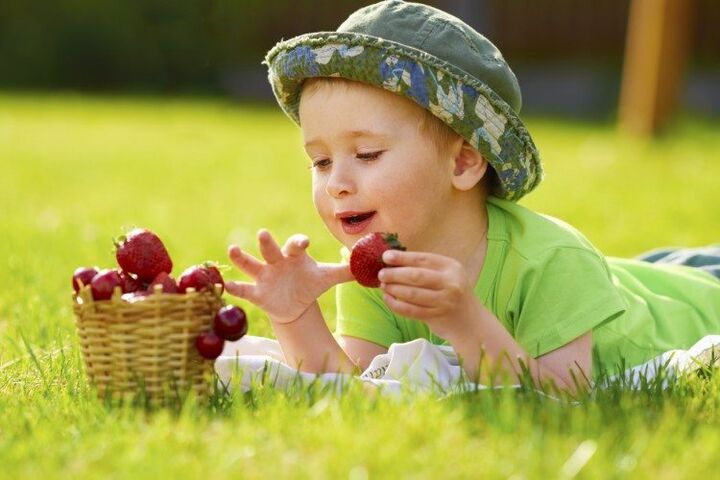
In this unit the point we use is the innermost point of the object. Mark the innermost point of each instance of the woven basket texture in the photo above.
(146, 347)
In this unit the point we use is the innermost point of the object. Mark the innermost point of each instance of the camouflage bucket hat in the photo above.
(430, 57)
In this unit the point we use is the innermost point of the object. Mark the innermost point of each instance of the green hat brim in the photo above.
(464, 103)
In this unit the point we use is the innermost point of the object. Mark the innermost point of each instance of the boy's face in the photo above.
(371, 156)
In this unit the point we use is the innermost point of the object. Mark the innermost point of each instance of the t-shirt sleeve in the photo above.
(362, 313)
(565, 294)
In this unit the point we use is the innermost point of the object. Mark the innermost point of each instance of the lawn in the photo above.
(203, 173)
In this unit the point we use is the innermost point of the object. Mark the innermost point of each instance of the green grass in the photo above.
(202, 173)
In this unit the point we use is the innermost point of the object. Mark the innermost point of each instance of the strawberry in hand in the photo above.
(366, 256)
(432, 288)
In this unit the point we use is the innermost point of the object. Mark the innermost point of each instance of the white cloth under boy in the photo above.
(417, 365)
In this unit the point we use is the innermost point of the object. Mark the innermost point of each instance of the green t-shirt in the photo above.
(547, 285)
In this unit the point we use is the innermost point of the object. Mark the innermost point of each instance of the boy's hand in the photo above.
(432, 288)
(289, 282)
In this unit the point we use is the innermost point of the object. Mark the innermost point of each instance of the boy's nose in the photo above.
(339, 183)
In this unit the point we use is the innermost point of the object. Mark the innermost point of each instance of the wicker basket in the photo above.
(146, 348)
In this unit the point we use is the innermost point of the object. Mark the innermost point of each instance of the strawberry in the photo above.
(195, 277)
(83, 276)
(168, 283)
(103, 284)
(129, 283)
(209, 345)
(201, 277)
(215, 276)
(142, 252)
(230, 323)
(366, 256)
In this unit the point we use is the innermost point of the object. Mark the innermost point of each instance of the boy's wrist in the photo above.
(308, 344)
(278, 320)
(467, 326)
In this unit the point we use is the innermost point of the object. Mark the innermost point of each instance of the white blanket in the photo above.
(417, 365)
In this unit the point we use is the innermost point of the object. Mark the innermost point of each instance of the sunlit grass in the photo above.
(204, 173)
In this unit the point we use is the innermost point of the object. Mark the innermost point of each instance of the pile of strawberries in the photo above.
(144, 262)
(144, 265)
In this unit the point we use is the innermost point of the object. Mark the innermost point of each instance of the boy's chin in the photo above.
(345, 239)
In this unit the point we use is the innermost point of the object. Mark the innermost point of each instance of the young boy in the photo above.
(409, 117)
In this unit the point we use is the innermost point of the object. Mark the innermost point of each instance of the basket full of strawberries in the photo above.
(144, 333)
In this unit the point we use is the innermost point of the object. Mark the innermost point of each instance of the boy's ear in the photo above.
(470, 167)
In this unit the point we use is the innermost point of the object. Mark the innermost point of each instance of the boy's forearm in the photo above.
(309, 346)
(487, 348)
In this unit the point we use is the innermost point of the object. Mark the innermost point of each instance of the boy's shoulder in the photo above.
(532, 234)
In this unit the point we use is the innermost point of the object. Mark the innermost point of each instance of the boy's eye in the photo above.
(369, 155)
(320, 164)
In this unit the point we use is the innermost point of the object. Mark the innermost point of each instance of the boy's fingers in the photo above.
(241, 289)
(296, 245)
(418, 277)
(244, 261)
(413, 259)
(405, 309)
(269, 248)
(421, 297)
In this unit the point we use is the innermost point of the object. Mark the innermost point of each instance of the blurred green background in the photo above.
(567, 54)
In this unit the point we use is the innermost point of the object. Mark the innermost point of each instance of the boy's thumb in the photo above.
(337, 272)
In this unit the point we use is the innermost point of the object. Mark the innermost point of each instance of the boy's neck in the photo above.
(464, 235)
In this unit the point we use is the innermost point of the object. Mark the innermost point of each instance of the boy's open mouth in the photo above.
(356, 219)
(354, 224)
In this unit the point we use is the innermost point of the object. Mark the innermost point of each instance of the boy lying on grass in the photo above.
(410, 119)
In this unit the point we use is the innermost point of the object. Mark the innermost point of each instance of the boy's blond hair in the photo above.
(431, 126)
